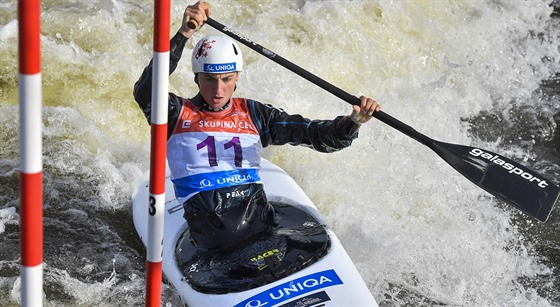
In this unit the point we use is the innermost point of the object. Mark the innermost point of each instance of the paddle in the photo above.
(506, 179)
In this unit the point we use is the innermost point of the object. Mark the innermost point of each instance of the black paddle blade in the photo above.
(499, 176)
(502, 177)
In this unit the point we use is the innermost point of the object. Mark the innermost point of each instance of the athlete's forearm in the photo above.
(278, 127)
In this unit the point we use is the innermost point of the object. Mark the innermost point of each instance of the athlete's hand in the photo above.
(364, 112)
(199, 12)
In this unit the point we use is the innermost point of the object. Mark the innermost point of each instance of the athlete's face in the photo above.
(217, 89)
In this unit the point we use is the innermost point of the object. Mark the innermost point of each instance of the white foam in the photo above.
(414, 225)
(8, 216)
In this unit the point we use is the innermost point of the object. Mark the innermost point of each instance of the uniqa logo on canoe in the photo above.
(292, 289)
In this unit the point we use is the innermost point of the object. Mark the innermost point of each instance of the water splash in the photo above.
(420, 233)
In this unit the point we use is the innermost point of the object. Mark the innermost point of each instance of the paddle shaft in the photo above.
(338, 92)
(193, 24)
(504, 178)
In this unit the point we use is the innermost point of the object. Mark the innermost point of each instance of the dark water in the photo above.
(537, 131)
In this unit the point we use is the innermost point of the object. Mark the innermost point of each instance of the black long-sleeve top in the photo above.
(275, 126)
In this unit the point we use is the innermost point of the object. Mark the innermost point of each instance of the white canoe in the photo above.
(330, 280)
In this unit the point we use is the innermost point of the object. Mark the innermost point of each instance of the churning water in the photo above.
(481, 73)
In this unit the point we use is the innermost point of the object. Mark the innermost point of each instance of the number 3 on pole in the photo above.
(156, 206)
(152, 204)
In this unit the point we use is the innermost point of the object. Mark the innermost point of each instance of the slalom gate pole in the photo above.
(30, 152)
(158, 151)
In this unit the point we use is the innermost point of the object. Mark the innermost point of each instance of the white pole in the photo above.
(31, 165)
(158, 151)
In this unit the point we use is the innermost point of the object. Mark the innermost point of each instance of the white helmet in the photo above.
(216, 55)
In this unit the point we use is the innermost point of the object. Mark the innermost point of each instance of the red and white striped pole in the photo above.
(30, 151)
(158, 150)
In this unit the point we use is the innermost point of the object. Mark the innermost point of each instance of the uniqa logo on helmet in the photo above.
(215, 55)
(217, 68)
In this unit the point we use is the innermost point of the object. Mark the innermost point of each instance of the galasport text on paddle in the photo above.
(504, 178)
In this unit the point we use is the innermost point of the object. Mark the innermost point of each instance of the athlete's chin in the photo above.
(217, 103)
